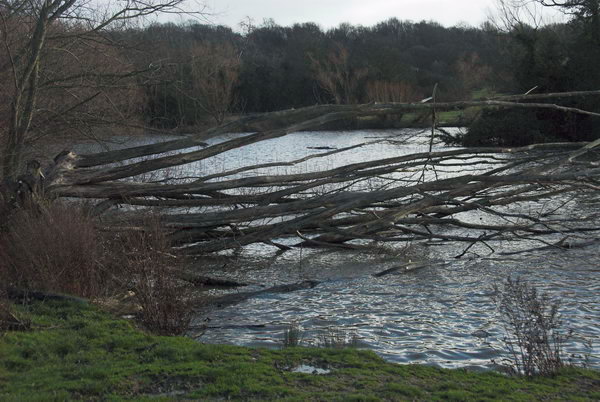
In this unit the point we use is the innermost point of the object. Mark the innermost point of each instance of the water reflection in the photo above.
(441, 315)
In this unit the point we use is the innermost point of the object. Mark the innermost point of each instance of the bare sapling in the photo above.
(165, 301)
(535, 332)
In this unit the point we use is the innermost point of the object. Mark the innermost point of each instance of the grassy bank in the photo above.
(75, 351)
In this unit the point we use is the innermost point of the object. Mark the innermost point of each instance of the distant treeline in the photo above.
(74, 70)
(270, 67)
(203, 73)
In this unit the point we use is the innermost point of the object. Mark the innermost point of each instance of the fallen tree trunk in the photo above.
(421, 196)
(210, 282)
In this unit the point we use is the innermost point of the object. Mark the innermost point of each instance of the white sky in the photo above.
(329, 13)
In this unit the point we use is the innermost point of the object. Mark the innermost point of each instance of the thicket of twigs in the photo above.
(152, 270)
(57, 249)
(535, 331)
(9, 320)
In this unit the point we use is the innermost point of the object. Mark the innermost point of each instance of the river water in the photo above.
(440, 314)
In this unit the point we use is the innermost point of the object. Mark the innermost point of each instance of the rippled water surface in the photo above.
(438, 314)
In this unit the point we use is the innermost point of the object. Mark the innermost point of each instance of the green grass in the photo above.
(483, 93)
(450, 117)
(78, 352)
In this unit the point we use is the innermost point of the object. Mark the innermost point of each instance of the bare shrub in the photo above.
(292, 335)
(59, 248)
(215, 72)
(387, 91)
(336, 75)
(165, 300)
(55, 248)
(535, 332)
(337, 338)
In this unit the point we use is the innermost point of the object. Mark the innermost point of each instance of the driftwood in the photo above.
(206, 281)
(398, 199)
(9, 321)
(405, 268)
(235, 298)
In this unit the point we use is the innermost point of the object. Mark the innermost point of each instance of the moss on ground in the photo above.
(78, 352)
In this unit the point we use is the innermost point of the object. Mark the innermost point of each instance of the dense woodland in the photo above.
(289, 67)
(270, 67)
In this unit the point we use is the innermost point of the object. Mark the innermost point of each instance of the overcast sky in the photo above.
(329, 13)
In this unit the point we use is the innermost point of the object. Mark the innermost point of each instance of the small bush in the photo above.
(535, 332)
(59, 248)
(165, 301)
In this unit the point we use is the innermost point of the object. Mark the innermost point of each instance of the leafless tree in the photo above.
(575, 7)
(338, 77)
(215, 73)
(510, 15)
(472, 71)
(586, 10)
(49, 47)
